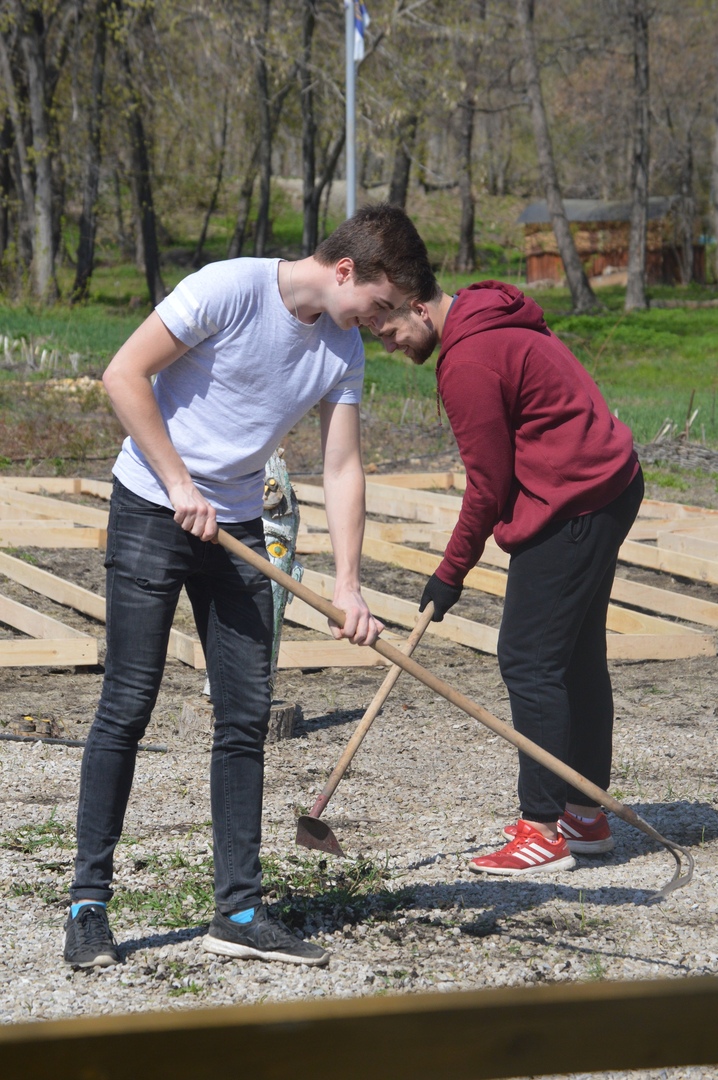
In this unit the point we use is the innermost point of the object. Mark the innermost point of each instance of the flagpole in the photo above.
(350, 149)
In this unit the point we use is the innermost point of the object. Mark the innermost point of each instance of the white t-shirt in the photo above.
(252, 371)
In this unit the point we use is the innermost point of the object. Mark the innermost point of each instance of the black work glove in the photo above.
(443, 595)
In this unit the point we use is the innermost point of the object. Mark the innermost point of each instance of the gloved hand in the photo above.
(443, 595)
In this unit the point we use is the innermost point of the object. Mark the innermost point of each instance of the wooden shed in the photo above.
(601, 231)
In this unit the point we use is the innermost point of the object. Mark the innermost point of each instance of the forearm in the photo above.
(344, 494)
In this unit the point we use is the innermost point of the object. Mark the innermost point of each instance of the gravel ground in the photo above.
(429, 789)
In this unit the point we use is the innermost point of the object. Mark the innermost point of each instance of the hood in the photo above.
(489, 305)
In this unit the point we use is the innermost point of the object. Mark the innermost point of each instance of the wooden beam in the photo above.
(405, 612)
(9, 513)
(396, 502)
(702, 547)
(32, 622)
(186, 649)
(677, 646)
(55, 508)
(52, 641)
(659, 508)
(423, 481)
(474, 1035)
(51, 536)
(664, 602)
(315, 543)
(181, 646)
(620, 619)
(397, 532)
(63, 652)
(670, 562)
(53, 485)
(327, 653)
(101, 489)
(649, 597)
(55, 588)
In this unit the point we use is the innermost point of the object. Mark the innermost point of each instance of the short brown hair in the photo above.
(382, 239)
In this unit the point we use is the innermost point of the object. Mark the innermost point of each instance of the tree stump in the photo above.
(281, 721)
(197, 719)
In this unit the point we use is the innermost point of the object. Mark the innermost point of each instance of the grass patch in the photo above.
(28, 839)
(669, 478)
(181, 896)
(309, 887)
(301, 889)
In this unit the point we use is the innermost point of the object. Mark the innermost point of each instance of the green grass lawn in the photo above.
(651, 366)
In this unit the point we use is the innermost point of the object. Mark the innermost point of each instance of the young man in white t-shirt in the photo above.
(206, 389)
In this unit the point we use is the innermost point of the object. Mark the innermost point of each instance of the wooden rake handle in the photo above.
(594, 793)
(373, 710)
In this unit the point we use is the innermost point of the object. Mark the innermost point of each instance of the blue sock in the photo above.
(76, 907)
(243, 916)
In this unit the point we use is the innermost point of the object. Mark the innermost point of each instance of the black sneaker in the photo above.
(88, 939)
(262, 938)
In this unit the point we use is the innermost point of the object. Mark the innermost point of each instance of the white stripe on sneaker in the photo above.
(534, 854)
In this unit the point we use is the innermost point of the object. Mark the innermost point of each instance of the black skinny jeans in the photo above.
(149, 559)
(552, 650)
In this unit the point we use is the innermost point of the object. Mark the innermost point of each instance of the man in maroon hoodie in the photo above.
(554, 476)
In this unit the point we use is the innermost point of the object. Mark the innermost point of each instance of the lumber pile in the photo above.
(410, 518)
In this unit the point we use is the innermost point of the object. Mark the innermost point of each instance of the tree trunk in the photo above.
(142, 185)
(403, 156)
(636, 285)
(44, 282)
(245, 203)
(466, 256)
(312, 188)
(261, 234)
(581, 292)
(714, 184)
(122, 238)
(686, 214)
(310, 229)
(5, 183)
(91, 181)
(197, 257)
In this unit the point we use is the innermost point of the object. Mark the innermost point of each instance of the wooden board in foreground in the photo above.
(479, 1035)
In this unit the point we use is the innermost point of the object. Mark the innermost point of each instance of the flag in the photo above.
(361, 21)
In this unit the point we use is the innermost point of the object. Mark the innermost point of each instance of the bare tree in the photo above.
(33, 48)
(714, 178)
(636, 284)
(5, 182)
(91, 180)
(212, 204)
(141, 169)
(313, 187)
(581, 292)
(403, 157)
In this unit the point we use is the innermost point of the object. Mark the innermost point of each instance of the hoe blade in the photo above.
(313, 833)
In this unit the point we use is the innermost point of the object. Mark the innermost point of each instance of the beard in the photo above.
(421, 352)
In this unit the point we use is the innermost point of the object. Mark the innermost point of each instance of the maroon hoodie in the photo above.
(537, 439)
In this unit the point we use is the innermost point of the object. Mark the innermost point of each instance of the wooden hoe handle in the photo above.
(396, 656)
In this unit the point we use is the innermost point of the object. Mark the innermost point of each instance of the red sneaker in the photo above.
(582, 837)
(528, 853)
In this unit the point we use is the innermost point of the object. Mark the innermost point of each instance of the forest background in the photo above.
(140, 139)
